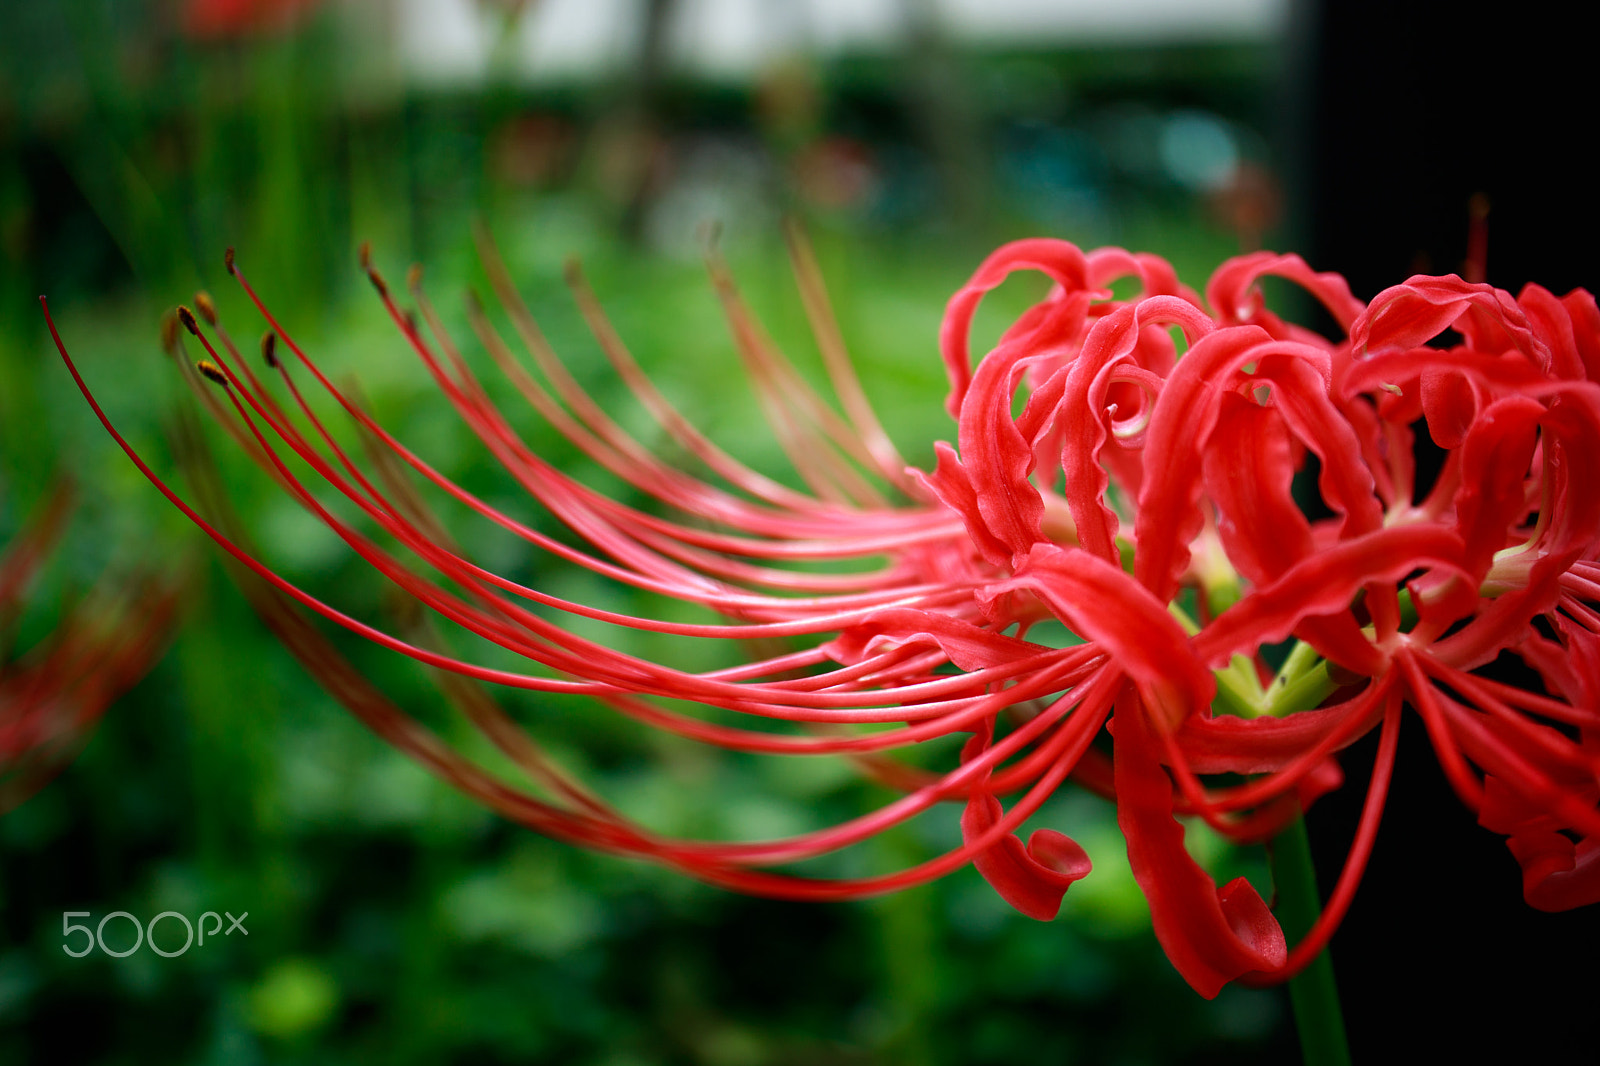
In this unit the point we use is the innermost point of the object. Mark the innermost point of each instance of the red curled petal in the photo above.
(1495, 459)
(1571, 450)
(1449, 403)
(1572, 472)
(1154, 273)
(996, 455)
(1412, 313)
(1169, 516)
(1120, 334)
(1585, 316)
(1249, 469)
(953, 486)
(1558, 875)
(969, 647)
(1103, 604)
(1552, 324)
(1399, 366)
(1232, 294)
(1300, 392)
(1034, 878)
(1083, 433)
(1211, 936)
(1061, 260)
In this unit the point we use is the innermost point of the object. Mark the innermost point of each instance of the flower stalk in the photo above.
(1313, 992)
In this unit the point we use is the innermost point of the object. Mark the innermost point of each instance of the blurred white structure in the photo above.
(564, 40)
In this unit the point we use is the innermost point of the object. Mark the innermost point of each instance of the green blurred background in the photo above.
(391, 920)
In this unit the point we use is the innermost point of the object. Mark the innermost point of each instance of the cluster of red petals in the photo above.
(1186, 464)
(1141, 499)
(52, 697)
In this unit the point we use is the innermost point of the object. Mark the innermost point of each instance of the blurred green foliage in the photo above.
(389, 919)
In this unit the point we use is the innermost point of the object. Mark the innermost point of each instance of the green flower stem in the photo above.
(1313, 994)
(1301, 688)
(1239, 690)
(1302, 684)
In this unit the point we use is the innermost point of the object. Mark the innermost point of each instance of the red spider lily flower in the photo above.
(1204, 482)
(52, 697)
(1141, 498)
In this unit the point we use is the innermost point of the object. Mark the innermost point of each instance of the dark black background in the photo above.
(1408, 109)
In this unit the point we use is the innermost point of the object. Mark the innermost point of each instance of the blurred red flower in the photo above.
(210, 20)
(52, 697)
